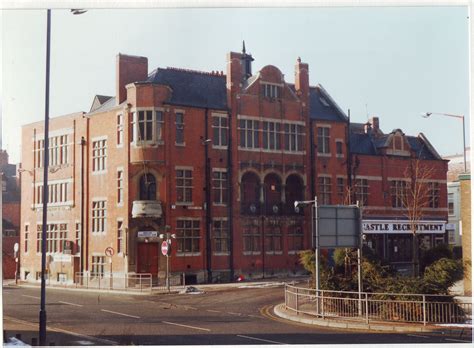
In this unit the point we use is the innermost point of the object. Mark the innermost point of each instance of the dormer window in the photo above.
(397, 142)
(271, 91)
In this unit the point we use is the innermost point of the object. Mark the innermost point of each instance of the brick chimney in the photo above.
(374, 121)
(128, 69)
(302, 79)
(3, 158)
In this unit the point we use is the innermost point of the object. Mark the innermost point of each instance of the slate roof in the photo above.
(107, 105)
(323, 107)
(367, 144)
(192, 88)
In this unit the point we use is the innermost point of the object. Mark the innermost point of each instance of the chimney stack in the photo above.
(302, 79)
(374, 121)
(128, 69)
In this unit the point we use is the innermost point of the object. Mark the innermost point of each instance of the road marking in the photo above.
(125, 315)
(417, 336)
(35, 297)
(212, 311)
(259, 339)
(71, 304)
(190, 327)
(254, 316)
(189, 307)
(232, 313)
(455, 340)
(102, 340)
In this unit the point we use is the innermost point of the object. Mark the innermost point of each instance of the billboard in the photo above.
(339, 226)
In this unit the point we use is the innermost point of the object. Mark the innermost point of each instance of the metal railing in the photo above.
(115, 281)
(416, 308)
(176, 281)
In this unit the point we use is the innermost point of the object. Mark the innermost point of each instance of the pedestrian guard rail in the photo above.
(114, 281)
(365, 306)
(176, 282)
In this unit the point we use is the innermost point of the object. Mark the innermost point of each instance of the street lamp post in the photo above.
(428, 114)
(42, 313)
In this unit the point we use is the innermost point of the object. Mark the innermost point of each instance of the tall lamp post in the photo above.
(42, 313)
(461, 117)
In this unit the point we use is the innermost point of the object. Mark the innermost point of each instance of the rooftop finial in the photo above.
(299, 60)
(243, 46)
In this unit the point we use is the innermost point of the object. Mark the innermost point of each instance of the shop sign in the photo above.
(147, 234)
(398, 226)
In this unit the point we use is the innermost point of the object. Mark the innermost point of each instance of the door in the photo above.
(147, 258)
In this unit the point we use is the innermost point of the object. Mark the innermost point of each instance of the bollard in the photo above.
(34, 341)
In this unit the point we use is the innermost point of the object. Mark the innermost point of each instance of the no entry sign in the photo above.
(165, 248)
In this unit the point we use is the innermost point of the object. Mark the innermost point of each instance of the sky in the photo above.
(390, 62)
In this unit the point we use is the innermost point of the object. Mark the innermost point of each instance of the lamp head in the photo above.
(426, 114)
(78, 11)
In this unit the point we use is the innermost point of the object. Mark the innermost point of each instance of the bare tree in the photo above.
(414, 194)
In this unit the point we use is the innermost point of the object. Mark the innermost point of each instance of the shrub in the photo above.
(441, 275)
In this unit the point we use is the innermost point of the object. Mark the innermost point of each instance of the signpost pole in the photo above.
(316, 252)
(15, 252)
(168, 272)
(359, 261)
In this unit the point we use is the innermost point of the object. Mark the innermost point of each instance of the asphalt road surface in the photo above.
(235, 316)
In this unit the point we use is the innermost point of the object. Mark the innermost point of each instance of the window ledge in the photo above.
(180, 144)
(188, 254)
(324, 154)
(251, 252)
(221, 253)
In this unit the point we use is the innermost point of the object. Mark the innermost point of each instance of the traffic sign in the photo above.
(109, 251)
(164, 248)
(16, 247)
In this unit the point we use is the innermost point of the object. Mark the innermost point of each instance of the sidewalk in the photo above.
(464, 331)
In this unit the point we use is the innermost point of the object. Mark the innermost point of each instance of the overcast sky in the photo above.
(394, 63)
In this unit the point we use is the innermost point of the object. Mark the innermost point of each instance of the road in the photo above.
(237, 316)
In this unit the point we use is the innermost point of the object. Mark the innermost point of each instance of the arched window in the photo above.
(272, 194)
(294, 191)
(250, 193)
(147, 187)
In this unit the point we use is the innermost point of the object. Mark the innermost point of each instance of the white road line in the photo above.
(417, 336)
(35, 297)
(189, 307)
(455, 340)
(233, 313)
(125, 315)
(212, 311)
(190, 327)
(260, 339)
(24, 322)
(71, 304)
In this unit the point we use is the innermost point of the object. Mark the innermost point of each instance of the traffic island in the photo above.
(459, 331)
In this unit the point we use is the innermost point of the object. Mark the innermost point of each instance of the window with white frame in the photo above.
(188, 235)
(271, 135)
(145, 125)
(99, 216)
(56, 235)
(220, 129)
(119, 186)
(323, 140)
(220, 235)
(398, 191)
(219, 186)
(98, 266)
(341, 190)
(271, 91)
(324, 190)
(120, 235)
(99, 155)
(339, 147)
(451, 204)
(273, 239)
(184, 185)
(294, 137)
(58, 151)
(248, 131)
(362, 191)
(433, 193)
(160, 121)
(252, 239)
(119, 129)
(58, 193)
(179, 128)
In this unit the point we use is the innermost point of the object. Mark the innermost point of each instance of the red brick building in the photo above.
(219, 158)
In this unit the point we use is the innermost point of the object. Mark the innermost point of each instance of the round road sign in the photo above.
(164, 248)
(109, 251)
(15, 247)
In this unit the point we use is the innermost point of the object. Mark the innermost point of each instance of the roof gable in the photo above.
(323, 107)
